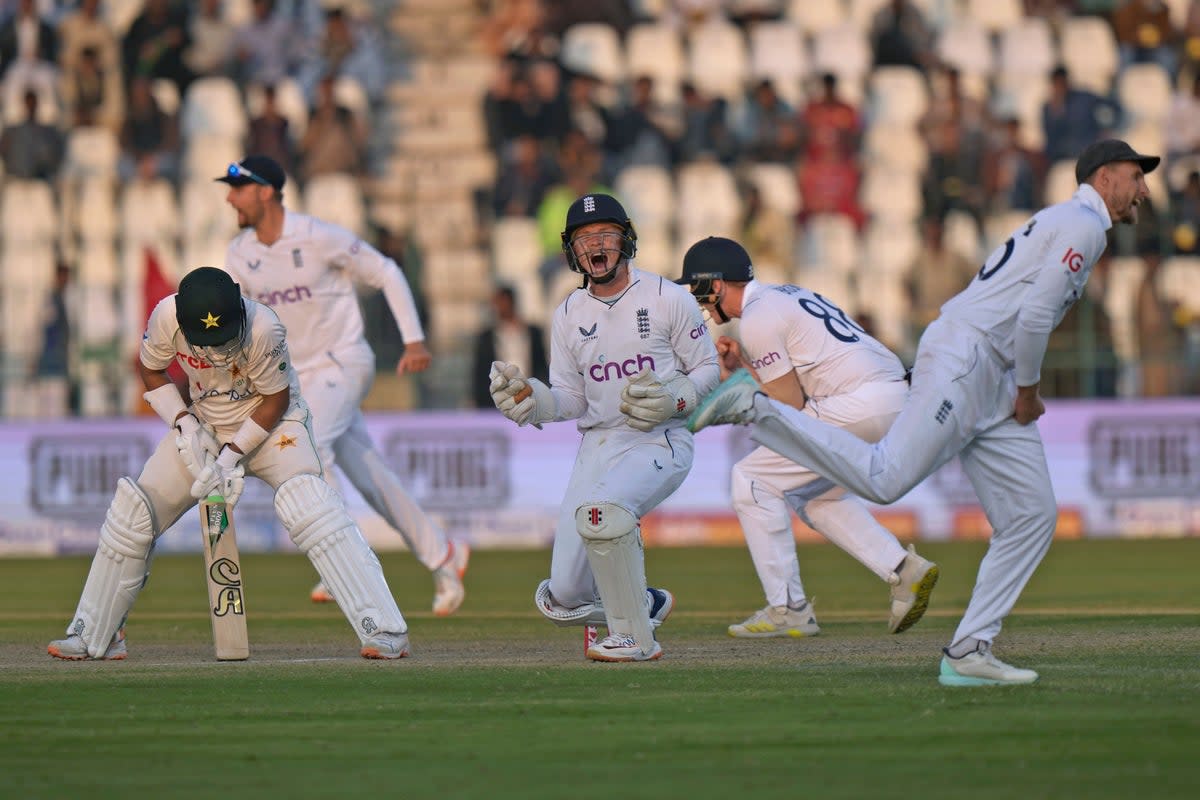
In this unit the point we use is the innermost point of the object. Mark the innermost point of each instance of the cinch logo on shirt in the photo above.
(192, 361)
(615, 370)
(698, 331)
(284, 296)
(769, 358)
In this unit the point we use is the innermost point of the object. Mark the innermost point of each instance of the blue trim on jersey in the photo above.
(667, 436)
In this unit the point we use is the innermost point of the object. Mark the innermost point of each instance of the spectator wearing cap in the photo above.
(1073, 118)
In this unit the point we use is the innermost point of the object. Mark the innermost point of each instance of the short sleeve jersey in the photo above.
(790, 328)
(597, 346)
(226, 396)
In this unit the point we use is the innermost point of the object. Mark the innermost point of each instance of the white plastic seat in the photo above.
(98, 265)
(94, 209)
(91, 150)
(205, 156)
(1144, 91)
(994, 15)
(204, 212)
(890, 249)
(1060, 182)
(844, 51)
(1027, 49)
(778, 54)
(1088, 49)
(717, 61)
(960, 234)
(27, 269)
(21, 327)
(656, 252)
(832, 284)
(965, 45)
(516, 248)
(999, 226)
(886, 300)
(213, 107)
(895, 147)
(452, 275)
(100, 324)
(349, 93)
(648, 194)
(777, 186)
(338, 198)
(897, 95)
(1125, 275)
(655, 50)
(708, 200)
(28, 212)
(830, 241)
(150, 212)
(1178, 278)
(862, 12)
(166, 94)
(1023, 96)
(891, 193)
(814, 17)
(593, 48)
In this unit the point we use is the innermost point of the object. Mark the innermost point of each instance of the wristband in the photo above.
(166, 402)
(249, 436)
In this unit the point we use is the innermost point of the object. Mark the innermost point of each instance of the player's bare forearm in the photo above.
(416, 358)
(271, 409)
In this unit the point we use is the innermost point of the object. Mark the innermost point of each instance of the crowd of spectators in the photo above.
(557, 130)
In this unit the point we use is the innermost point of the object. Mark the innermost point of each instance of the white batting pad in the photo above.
(317, 521)
(586, 614)
(614, 550)
(118, 570)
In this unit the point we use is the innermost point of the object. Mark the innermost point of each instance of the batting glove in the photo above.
(512, 393)
(647, 402)
(224, 477)
(196, 443)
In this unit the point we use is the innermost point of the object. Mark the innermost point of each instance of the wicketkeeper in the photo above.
(246, 418)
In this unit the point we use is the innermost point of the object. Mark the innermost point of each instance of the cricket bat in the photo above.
(223, 573)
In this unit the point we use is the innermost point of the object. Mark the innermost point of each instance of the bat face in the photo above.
(223, 575)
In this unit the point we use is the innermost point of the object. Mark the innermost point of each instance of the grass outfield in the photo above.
(497, 703)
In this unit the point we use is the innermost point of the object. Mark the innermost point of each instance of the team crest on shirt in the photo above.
(254, 265)
(643, 323)
(588, 333)
(297, 261)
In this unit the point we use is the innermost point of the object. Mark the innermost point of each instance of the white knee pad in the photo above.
(317, 521)
(614, 550)
(586, 614)
(118, 569)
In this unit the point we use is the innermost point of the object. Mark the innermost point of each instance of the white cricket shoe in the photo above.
(778, 621)
(447, 580)
(73, 648)
(620, 647)
(320, 594)
(731, 403)
(386, 646)
(981, 668)
(911, 587)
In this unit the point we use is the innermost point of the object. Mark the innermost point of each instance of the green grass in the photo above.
(497, 703)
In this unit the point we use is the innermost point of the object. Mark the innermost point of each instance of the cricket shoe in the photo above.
(778, 621)
(911, 587)
(619, 647)
(731, 403)
(73, 648)
(447, 580)
(385, 646)
(320, 594)
(981, 668)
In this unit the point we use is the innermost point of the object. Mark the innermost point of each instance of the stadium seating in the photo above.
(717, 60)
(595, 49)
(779, 54)
(655, 50)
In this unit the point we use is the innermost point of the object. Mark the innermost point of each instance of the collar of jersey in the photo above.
(1089, 198)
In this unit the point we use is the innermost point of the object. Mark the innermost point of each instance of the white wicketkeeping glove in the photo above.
(224, 477)
(517, 397)
(647, 402)
(197, 444)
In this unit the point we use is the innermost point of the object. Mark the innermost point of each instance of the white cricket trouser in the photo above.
(764, 484)
(634, 470)
(961, 403)
(334, 392)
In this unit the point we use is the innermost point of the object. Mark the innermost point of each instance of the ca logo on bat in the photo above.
(224, 573)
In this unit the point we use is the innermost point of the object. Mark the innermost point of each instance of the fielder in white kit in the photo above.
(306, 270)
(974, 394)
(807, 353)
(629, 356)
(246, 418)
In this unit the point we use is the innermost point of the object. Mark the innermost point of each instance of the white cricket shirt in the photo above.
(226, 396)
(1027, 285)
(597, 345)
(786, 328)
(308, 277)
